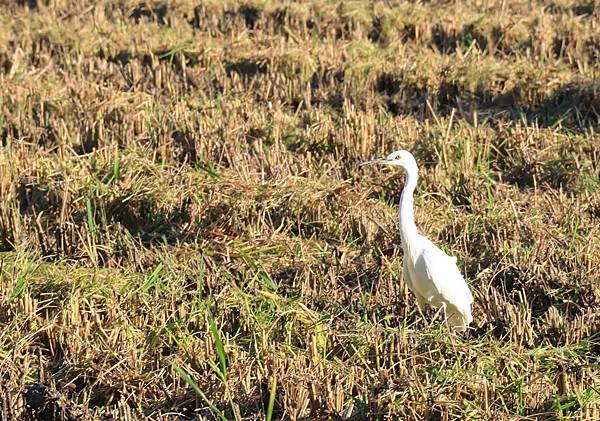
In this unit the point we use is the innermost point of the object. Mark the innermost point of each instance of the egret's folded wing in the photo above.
(444, 275)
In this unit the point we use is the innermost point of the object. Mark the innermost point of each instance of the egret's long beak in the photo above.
(376, 161)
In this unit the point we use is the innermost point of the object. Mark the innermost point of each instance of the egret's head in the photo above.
(399, 158)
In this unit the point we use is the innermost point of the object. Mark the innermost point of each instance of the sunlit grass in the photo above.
(185, 230)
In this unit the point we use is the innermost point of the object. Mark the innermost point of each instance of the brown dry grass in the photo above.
(186, 232)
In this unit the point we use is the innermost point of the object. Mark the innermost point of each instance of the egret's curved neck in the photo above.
(408, 228)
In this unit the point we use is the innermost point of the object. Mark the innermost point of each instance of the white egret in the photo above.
(429, 273)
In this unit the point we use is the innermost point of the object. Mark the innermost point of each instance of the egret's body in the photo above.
(429, 273)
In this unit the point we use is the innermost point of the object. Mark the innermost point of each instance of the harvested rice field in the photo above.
(186, 231)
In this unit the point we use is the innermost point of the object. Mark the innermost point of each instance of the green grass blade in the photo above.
(271, 403)
(90, 217)
(220, 349)
(262, 276)
(116, 168)
(188, 379)
(216, 369)
(152, 280)
(17, 290)
(209, 169)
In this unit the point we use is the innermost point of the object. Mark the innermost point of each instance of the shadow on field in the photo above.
(575, 106)
(142, 220)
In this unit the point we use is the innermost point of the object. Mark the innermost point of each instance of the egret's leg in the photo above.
(441, 311)
(421, 303)
(421, 306)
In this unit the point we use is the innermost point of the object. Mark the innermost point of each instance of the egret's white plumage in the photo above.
(429, 273)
